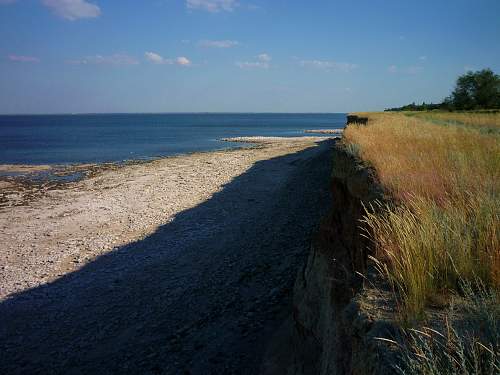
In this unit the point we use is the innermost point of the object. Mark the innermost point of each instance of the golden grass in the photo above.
(415, 157)
(445, 223)
(482, 119)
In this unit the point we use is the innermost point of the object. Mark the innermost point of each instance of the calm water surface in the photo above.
(68, 139)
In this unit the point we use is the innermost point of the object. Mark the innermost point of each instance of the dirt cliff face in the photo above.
(334, 324)
(354, 119)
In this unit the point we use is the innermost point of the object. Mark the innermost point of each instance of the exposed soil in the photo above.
(180, 265)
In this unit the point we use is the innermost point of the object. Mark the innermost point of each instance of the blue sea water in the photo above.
(96, 138)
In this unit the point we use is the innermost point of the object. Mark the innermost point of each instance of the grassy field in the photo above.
(443, 225)
(489, 120)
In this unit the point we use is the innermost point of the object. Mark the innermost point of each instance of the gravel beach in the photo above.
(182, 264)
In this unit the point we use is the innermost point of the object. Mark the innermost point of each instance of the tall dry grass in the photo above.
(477, 119)
(473, 347)
(444, 225)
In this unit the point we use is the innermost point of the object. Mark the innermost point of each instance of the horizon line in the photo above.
(164, 113)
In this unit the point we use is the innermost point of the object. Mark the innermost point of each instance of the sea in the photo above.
(99, 138)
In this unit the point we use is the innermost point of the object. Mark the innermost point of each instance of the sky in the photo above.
(108, 56)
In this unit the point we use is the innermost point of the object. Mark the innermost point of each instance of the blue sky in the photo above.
(74, 56)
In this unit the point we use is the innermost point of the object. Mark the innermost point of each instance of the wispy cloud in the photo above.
(115, 59)
(23, 59)
(263, 62)
(253, 7)
(392, 68)
(414, 69)
(73, 9)
(218, 43)
(68, 9)
(264, 57)
(328, 65)
(158, 59)
(252, 64)
(212, 6)
(422, 58)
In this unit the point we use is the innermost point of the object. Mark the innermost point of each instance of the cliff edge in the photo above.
(338, 313)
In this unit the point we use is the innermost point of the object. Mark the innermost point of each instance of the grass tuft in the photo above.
(444, 223)
(427, 351)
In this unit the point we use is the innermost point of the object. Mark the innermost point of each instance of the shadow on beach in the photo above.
(200, 295)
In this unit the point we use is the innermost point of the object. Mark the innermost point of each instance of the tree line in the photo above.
(478, 90)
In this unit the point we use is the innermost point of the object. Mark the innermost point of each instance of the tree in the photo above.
(477, 90)
(473, 90)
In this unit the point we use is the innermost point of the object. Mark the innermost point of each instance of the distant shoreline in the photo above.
(93, 138)
(171, 113)
(28, 171)
(324, 131)
(12, 170)
(30, 181)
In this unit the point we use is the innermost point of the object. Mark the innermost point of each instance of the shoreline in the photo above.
(20, 169)
(8, 170)
(24, 202)
(166, 253)
(325, 131)
(32, 181)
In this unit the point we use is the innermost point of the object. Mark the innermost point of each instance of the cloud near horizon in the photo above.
(23, 59)
(264, 57)
(405, 70)
(328, 65)
(158, 59)
(263, 62)
(183, 61)
(115, 59)
(212, 6)
(218, 43)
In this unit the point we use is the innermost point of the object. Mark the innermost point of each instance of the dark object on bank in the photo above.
(353, 119)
